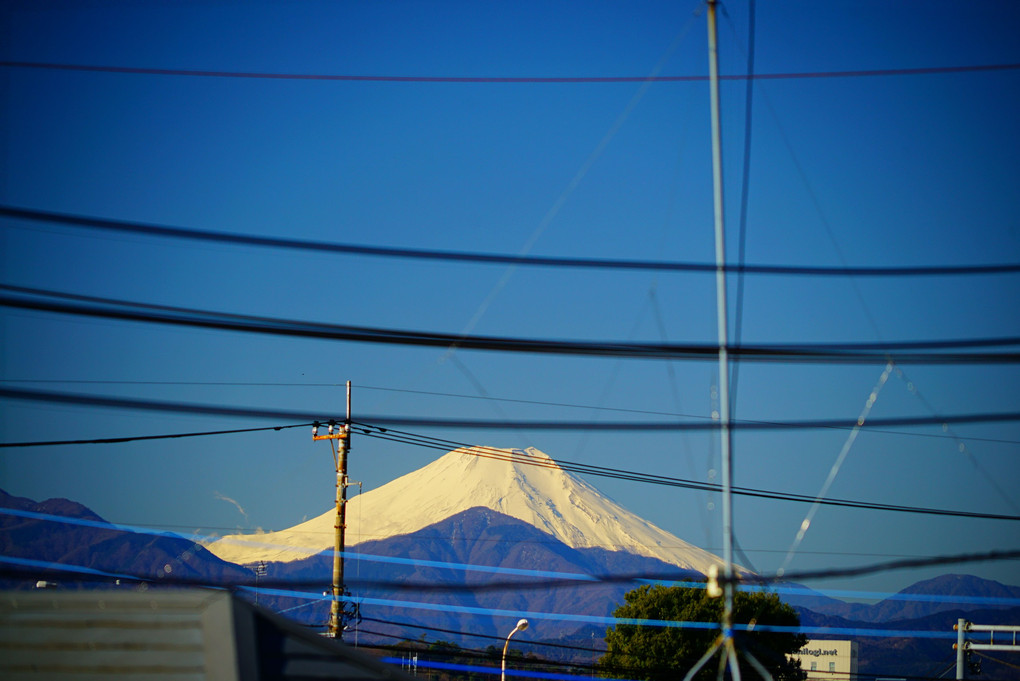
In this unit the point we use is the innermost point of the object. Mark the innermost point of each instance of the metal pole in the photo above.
(521, 626)
(721, 308)
(961, 646)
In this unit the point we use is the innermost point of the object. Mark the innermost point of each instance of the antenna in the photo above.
(725, 640)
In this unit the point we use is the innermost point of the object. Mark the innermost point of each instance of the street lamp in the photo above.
(521, 626)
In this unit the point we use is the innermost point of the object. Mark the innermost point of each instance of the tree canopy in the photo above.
(661, 652)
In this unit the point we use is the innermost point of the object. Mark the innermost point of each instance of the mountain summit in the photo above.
(524, 484)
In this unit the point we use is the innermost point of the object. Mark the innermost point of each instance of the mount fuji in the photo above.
(472, 574)
(526, 485)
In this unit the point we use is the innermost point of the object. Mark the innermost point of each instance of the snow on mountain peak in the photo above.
(524, 484)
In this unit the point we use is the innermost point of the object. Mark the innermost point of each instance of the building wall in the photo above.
(829, 660)
(139, 634)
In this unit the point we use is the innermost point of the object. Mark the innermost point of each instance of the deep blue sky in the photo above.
(909, 169)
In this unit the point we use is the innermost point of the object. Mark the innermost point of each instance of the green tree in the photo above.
(660, 653)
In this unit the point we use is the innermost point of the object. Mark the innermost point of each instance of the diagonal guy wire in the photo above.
(834, 471)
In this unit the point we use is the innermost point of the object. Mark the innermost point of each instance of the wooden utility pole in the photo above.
(342, 434)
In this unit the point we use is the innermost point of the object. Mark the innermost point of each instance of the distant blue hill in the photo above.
(421, 572)
(945, 593)
(480, 536)
(31, 542)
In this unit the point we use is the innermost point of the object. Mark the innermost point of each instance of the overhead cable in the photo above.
(383, 421)
(33, 569)
(137, 438)
(574, 467)
(622, 474)
(907, 563)
(286, 243)
(569, 405)
(520, 578)
(508, 80)
(474, 635)
(915, 352)
(745, 184)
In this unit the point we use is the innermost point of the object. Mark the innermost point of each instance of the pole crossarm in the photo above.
(993, 646)
(992, 629)
(963, 646)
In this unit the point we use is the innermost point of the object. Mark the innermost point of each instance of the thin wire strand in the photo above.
(920, 352)
(508, 80)
(622, 474)
(961, 446)
(745, 190)
(139, 438)
(949, 435)
(163, 231)
(601, 471)
(387, 422)
(836, 466)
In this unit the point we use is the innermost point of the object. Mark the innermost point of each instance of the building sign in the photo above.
(828, 660)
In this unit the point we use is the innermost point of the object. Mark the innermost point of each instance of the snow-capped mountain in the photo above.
(65, 543)
(523, 484)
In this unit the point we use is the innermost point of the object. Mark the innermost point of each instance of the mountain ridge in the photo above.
(922, 599)
(98, 547)
(474, 572)
(523, 484)
(477, 561)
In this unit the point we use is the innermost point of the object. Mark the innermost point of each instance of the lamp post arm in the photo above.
(521, 626)
(502, 670)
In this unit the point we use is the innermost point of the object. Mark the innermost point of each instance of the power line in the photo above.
(915, 352)
(553, 542)
(285, 243)
(509, 400)
(575, 467)
(200, 538)
(936, 561)
(136, 438)
(748, 582)
(16, 566)
(474, 635)
(509, 80)
(385, 422)
(745, 182)
(242, 384)
(534, 578)
(622, 474)
(33, 569)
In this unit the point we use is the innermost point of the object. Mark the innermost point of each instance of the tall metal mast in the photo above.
(723, 333)
(726, 643)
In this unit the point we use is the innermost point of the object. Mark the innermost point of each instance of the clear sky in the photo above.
(917, 166)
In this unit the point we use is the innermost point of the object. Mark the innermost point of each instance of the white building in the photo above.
(828, 660)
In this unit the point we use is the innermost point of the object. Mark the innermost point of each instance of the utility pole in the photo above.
(342, 434)
(260, 571)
